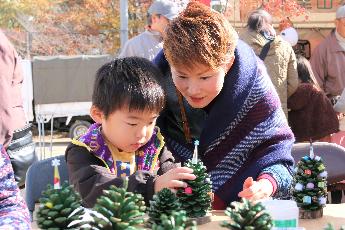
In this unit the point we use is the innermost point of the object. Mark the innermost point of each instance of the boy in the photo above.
(124, 141)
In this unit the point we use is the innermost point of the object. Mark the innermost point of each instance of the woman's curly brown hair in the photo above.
(199, 35)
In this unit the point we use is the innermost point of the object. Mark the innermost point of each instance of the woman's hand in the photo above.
(256, 190)
(173, 179)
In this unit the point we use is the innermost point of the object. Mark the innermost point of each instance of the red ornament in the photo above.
(188, 190)
(307, 171)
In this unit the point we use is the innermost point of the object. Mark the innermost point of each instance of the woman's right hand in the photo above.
(173, 179)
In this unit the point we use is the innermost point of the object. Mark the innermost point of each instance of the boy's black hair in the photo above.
(130, 82)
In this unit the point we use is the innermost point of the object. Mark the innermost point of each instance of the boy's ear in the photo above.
(96, 114)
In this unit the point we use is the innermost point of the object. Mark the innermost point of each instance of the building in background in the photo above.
(312, 27)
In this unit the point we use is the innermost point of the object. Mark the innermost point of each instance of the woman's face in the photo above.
(199, 84)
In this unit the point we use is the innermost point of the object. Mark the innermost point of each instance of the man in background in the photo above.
(148, 43)
(328, 58)
(328, 64)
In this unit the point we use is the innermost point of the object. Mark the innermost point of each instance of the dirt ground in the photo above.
(51, 145)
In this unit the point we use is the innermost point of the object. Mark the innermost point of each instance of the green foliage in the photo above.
(310, 185)
(55, 207)
(196, 199)
(175, 221)
(248, 216)
(164, 202)
(116, 209)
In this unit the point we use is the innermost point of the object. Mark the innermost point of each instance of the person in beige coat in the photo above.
(280, 59)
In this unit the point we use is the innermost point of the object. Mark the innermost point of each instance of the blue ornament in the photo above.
(306, 158)
(324, 174)
(322, 200)
(307, 199)
(317, 158)
(299, 187)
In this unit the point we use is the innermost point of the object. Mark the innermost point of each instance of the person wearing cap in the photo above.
(149, 43)
(328, 58)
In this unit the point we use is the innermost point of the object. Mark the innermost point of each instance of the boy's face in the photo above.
(199, 84)
(126, 130)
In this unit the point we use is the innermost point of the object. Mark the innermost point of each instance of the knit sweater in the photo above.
(246, 133)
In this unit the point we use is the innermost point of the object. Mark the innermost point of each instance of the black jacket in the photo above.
(90, 177)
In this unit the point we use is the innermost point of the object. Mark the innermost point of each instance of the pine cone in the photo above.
(123, 209)
(196, 199)
(91, 220)
(56, 205)
(175, 221)
(164, 202)
(245, 215)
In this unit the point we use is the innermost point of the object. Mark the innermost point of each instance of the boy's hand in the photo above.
(256, 190)
(173, 179)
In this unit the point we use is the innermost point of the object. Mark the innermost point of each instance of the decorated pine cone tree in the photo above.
(177, 220)
(248, 216)
(116, 209)
(195, 198)
(164, 202)
(310, 186)
(56, 205)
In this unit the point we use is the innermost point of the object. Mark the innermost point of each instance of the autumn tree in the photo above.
(281, 9)
(70, 26)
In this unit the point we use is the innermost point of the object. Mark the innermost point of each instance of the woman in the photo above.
(311, 114)
(245, 142)
(280, 59)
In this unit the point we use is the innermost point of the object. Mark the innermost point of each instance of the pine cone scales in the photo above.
(247, 216)
(164, 202)
(176, 221)
(123, 209)
(56, 206)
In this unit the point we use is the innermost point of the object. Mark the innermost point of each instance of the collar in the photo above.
(146, 156)
(341, 39)
(333, 43)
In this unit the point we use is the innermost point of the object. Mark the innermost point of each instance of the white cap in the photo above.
(166, 8)
(340, 12)
(290, 35)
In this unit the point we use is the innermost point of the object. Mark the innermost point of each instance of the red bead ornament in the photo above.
(188, 190)
(307, 171)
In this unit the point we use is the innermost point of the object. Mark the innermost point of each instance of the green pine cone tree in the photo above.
(248, 216)
(164, 202)
(196, 199)
(310, 186)
(56, 205)
(176, 221)
(123, 209)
